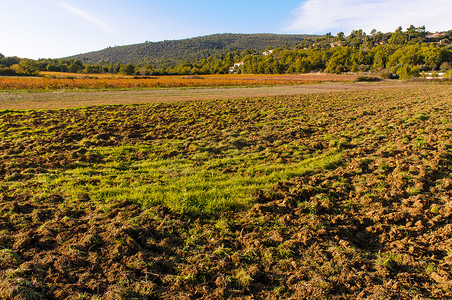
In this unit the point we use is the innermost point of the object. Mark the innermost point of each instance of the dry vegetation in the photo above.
(53, 81)
(56, 99)
(340, 195)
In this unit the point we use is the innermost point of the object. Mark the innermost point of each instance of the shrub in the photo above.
(388, 75)
(7, 72)
(445, 66)
(406, 72)
(369, 78)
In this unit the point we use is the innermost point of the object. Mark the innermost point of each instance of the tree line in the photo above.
(399, 54)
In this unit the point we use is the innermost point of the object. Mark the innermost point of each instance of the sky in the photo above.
(60, 28)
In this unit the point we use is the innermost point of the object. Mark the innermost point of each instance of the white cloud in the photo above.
(85, 15)
(322, 16)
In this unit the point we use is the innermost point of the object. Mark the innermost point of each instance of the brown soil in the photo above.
(72, 99)
(378, 226)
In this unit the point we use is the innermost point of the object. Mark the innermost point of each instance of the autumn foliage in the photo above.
(75, 81)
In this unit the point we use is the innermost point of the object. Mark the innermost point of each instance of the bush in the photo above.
(445, 66)
(388, 75)
(7, 72)
(369, 78)
(407, 72)
(448, 75)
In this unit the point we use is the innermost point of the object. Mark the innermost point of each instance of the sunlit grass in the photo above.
(178, 184)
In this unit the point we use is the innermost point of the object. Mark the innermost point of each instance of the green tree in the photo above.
(411, 32)
(356, 38)
(398, 37)
(127, 69)
(113, 68)
(30, 66)
(406, 72)
(411, 55)
(360, 61)
(92, 69)
(340, 37)
(381, 55)
(340, 61)
(75, 66)
(432, 56)
(304, 64)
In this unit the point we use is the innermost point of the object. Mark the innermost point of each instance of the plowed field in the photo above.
(342, 195)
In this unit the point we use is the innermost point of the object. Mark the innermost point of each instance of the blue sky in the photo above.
(59, 28)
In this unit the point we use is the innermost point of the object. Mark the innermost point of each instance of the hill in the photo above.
(167, 53)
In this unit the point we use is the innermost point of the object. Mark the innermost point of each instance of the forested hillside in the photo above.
(171, 53)
(401, 54)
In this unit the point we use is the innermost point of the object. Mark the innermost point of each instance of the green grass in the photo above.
(179, 184)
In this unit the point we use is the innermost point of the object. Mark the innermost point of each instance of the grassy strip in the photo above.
(180, 184)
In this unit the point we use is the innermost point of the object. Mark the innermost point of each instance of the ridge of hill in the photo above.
(173, 52)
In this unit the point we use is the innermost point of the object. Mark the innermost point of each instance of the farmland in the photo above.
(337, 194)
(56, 99)
(57, 81)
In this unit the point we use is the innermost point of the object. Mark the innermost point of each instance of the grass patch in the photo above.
(178, 184)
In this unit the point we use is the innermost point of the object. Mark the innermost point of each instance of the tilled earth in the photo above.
(376, 226)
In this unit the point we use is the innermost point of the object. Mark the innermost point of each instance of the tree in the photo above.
(30, 67)
(411, 32)
(398, 37)
(381, 56)
(11, 60)
(113, 68)
(432, 57)
(411, 55)
(341, 60)
(406, 72)
(127, 69)
(75, 66)
(303, 65)
(92, 69)
(356, 39)
(328, 37)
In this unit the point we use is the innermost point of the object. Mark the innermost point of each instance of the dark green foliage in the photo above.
(173, 53)
(128, 69)
(407, 71)
(388, 75)
(92, 69)
(31, 67)
(368, 78)
(7, 72)
(9, 61)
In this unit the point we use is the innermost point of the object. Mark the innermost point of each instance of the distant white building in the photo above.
(435, 35)
(233, 69)
(267, 52)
